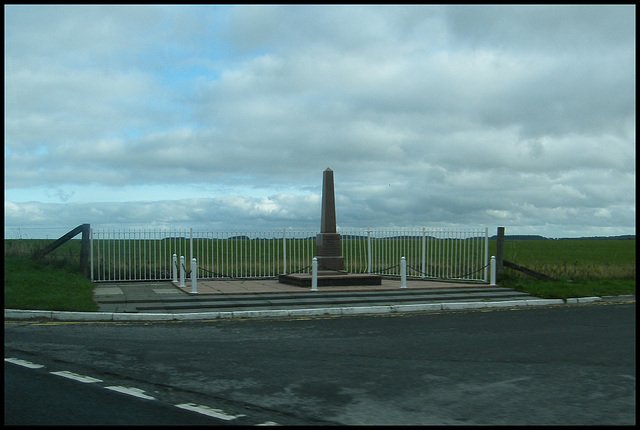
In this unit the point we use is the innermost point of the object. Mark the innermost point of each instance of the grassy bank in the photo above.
(584, 268)
(574, 259)
(45, 285)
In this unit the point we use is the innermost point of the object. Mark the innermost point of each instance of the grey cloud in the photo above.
(277, 212)
(426, 114)
(545, 27)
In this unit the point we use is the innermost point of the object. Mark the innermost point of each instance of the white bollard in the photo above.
(174, 268)
(403, 272)
(182, 271)
(493, 271)
(314, 274)
(194, 276)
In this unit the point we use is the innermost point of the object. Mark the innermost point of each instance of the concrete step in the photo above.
(281, 301)
(307, 294)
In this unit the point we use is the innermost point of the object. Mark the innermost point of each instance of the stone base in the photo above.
(335, 264)
(329, 252)
(328, 278)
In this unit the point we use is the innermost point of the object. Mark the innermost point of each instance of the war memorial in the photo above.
(329, 250)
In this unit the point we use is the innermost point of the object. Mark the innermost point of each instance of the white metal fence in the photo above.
(125, 255)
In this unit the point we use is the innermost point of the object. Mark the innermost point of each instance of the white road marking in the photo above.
(137, 392)
(23, 363)
(205, 410)
(76, 377)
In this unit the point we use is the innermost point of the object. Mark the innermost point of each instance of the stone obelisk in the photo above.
(328, 248)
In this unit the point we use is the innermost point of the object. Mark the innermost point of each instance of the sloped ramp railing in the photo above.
(85, 229)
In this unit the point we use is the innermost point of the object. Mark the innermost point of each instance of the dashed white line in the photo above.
(136, 392)
(205, 410)
(23, 363)
(76, 377)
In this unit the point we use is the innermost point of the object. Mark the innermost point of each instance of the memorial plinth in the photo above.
(329, 278)
(329, 249)
(329, 252)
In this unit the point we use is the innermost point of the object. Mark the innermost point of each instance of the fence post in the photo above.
(486, 253)
(182, 271)
(314, 274)
(499, 251)
(284, 250)
(84, 250)
(403, 272)
(424, 252)
(493, 271)
(369, 252)
(191, 242)
(91, 248)
(194, 276)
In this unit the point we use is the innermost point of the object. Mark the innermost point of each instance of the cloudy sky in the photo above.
(225, 117)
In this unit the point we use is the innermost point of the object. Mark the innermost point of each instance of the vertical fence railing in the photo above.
(429, 253)
(118, 255)
(136, 255)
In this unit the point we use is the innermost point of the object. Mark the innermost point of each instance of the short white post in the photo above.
(493, 271)
(314, 274)
(182, 271)
(403, 272)
(194, 276)
(174, 268)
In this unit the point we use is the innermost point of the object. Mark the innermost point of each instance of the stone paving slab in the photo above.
(108, 291)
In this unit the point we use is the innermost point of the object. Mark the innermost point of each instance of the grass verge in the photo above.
(564, 289)
(45, 285)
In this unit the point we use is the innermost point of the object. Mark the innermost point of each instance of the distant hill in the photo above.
(521, 237)
(623, 237)
(538, 237)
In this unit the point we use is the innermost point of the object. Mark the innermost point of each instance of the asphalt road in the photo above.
(565, 364)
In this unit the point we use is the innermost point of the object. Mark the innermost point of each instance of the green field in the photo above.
(582, 268)
(572, 259)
